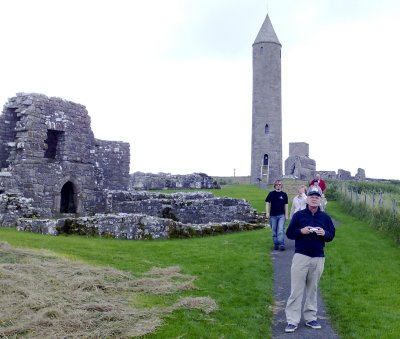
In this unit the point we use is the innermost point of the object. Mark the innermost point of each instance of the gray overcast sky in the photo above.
(174, 78)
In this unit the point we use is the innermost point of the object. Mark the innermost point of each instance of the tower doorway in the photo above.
(265, 160)
(68, 198)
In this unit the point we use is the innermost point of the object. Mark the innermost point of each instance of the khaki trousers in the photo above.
(305, 274)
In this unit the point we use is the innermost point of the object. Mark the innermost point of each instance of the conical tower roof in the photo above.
(267, 33)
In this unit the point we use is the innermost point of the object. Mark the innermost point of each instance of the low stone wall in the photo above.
(139, 215)
(242, 180)
(185, 207)
(130, 226)
(160, 181)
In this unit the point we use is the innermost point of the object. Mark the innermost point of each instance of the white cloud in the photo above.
(341, 84)
(173, 78)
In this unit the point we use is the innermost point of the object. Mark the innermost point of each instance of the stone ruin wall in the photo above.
(300, 166)
(131, 227)
(161, 181)
(326, 175)
(360, 175)
(344, 175)
(185, 207)
(113, 158)
(57, 178)
(148, 215)
(46, 143)
(14, 206)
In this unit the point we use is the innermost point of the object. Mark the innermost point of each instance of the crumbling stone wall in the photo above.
(14, 206)
(360, 175)
(185, 207)
(300, 166)
(344, 175)
(7, 182)
(151, 181)
(149, 215)
(113, 158)
(177, 215)
(131, 227)
(48, 153)
(327, 174)
(298, 163)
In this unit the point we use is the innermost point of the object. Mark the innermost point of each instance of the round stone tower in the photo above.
(266, 139)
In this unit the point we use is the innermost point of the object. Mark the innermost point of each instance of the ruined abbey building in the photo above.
(57, 178)
(48, 153)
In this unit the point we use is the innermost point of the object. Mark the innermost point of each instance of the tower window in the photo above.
(261, 50)
(266, 129)
(52, 142)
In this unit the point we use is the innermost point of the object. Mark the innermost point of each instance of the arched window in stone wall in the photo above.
(266, 129)
(261, 50)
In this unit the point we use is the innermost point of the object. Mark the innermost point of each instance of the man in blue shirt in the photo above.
(311, 228)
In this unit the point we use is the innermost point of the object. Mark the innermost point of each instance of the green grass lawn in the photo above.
(360, 284)
(253, 194)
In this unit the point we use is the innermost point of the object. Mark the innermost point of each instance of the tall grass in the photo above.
(382, 219)
(360, 284)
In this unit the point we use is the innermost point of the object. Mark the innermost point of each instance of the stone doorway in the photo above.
(68, 203)
(265, 160)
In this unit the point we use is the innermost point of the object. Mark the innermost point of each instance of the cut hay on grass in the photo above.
(43, 295)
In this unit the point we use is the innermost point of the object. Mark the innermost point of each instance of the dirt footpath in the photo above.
(282, 261)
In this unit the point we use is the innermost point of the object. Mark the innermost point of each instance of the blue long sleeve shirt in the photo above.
(311, 244)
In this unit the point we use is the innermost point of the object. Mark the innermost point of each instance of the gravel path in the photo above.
(282, 261)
